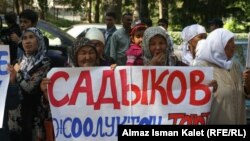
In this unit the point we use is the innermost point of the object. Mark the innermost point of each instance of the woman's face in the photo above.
(194, 41)
(229, 49)
(157, 44)
(86, 57)
(30, 43)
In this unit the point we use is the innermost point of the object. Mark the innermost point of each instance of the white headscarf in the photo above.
(95, 34)
(212, 49)
(188, 33)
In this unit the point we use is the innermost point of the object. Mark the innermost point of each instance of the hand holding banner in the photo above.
(89, 103)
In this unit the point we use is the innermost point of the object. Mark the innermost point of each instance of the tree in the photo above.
(97, 11)
(143, 10)
(118, 10)
(163, 9)
(43, 4)
(3, 6)
(89, 9)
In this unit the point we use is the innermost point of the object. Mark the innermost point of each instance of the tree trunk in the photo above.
(44, 6)
(214, 9)
(97, 11)
(3, 6)
(163, 9)
(89, 11)
(17, 6)
(143, 12)
(137, 5)
(118, 9)
(22, 5)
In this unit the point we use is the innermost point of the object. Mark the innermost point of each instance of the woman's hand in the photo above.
(246, 79)
(213, 84)
(43, 86)
(113, 66)
(159, 59)
(13, 73)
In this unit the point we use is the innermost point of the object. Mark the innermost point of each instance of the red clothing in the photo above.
(134, 55)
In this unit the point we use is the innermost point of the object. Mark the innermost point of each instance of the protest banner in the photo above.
(4, 78)
(89, 103)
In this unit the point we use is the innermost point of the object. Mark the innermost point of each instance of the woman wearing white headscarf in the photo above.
(228, 105)
(157, 49)
(27, 120)
(190, 36)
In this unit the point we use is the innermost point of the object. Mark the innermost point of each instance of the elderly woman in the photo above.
(84, 54)
(27, 74)
(157, 48)
(228, 105)
(97, 39)
(190, 36)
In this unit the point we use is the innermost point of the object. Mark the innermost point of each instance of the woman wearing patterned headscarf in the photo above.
(28, 74)
(190, 36)
(228, 105)
(157, 48)
(83, 54)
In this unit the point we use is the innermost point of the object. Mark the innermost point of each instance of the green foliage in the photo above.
(176, 37)
(233, 25)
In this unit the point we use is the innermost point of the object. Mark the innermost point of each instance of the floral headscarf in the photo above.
(29, 62)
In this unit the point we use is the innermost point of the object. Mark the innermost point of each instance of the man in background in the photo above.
(110, 22)
(215, 23)
(6, 34)
(120, 40)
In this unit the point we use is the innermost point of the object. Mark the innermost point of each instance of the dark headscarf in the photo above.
(79, 43)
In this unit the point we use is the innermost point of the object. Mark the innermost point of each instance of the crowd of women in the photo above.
(147, 46)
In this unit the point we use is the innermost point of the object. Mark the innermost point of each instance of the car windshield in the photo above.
(56, 36)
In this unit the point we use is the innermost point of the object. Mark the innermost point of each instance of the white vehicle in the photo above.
(81, 29)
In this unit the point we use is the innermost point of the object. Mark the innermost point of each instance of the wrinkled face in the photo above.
(229, 49)
(157, 44)
(137, 37)
(99, 47)
(194, 41)
(86, 57)
(110, 21)
(30, 43)
(25, 23)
